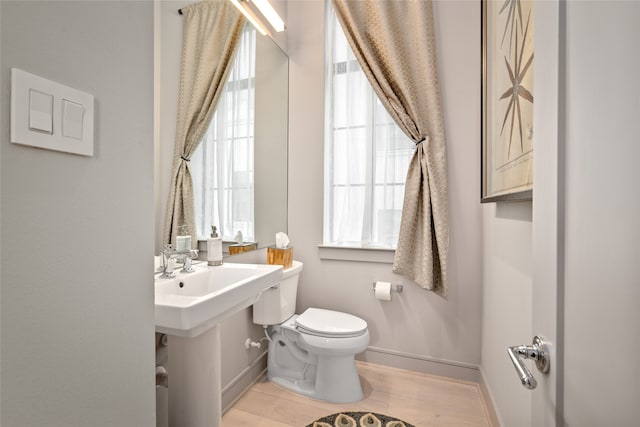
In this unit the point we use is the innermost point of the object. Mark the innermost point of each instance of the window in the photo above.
(366, 154)
(222, 165)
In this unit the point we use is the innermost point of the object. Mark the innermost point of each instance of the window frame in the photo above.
(370, 218)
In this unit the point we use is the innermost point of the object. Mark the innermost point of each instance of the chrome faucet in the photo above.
(169, 254)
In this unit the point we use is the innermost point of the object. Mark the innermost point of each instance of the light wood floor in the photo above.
(420, 399)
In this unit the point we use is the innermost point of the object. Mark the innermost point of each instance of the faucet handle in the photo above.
(186, 267)
(168, 268)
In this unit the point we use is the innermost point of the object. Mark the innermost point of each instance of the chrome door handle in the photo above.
(537, 352)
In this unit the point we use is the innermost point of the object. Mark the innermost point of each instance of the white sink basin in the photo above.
(191, 303)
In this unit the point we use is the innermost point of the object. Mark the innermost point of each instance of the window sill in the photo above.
(359, 254)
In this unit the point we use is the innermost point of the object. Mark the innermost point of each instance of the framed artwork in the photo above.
(507, 100)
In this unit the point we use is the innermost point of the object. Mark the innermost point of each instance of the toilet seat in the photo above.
(330, 324)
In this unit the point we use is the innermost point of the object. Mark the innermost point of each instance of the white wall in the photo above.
(417, 323)
(77, 284)
(506, 305)
(602, 272)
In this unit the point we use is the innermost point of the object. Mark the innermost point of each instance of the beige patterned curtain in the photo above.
(210, 35)
(394, 43)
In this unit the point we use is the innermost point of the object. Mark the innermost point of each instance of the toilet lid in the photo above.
(328, 323)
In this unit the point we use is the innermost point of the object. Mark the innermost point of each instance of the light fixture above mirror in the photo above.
(265, 9)
(270, 13)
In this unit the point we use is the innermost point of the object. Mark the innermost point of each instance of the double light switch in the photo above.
(49, 115)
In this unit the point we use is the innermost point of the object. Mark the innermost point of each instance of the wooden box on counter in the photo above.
(278, 256)
(242, 247)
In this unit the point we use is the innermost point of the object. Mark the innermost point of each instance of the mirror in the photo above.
(271, 140)
(270, 127)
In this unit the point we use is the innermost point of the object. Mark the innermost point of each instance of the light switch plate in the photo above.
(50, 115)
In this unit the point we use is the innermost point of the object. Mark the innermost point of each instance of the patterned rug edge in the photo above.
(358, 419)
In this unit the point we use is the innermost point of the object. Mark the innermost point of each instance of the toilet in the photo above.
(312, 353)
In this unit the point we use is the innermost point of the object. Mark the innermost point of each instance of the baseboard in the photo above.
(427, 365)
(243, 382)
(488, 402)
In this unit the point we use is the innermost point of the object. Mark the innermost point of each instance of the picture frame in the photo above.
(507, 34)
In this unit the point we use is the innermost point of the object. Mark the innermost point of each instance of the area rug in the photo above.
(359, 419)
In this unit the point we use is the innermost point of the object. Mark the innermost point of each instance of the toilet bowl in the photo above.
(312, 353)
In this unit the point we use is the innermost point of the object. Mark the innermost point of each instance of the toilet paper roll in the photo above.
(383, 291)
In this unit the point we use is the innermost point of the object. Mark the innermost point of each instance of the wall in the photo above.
(417, 327)
(602, 210)
(77, 284)
(506, 304)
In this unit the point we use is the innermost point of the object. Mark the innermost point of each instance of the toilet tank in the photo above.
(277, 304)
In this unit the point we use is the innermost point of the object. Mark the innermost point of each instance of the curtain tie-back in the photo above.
(185, 159)
(424, 138)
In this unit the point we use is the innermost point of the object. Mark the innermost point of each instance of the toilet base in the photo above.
(338, 384)
(331, 378)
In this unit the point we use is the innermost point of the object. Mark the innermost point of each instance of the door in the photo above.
(599, 124)
(586, 210)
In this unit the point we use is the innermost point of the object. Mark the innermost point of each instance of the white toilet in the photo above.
(311, 353)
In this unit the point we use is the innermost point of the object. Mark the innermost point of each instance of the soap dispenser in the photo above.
(214, 248)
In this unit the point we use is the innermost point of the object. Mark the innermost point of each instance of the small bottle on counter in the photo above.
(183, 240)
(214, 248)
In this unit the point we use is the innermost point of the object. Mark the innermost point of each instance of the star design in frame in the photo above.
(517, 73)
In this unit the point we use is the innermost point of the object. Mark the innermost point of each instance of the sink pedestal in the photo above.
(189, 308)
(195, 380)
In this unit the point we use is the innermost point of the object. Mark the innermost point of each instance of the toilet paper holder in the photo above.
(394, 288)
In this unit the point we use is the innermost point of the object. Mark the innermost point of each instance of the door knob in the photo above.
(537, 352)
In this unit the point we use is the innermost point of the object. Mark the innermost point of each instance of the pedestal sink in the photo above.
(188, 308)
